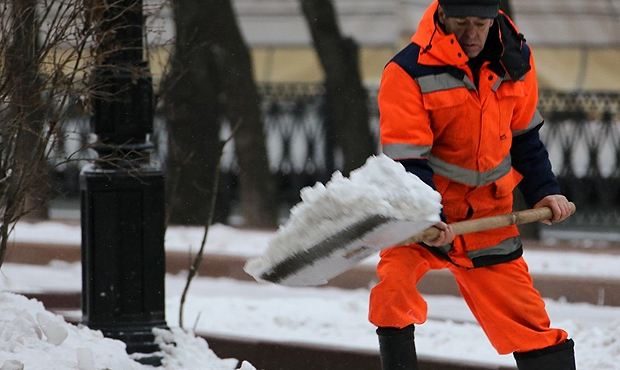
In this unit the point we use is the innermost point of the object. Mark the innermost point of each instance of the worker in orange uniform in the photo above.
(458, 109)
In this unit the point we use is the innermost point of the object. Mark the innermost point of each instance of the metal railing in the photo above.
(582, 134)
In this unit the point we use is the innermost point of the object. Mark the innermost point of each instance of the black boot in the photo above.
(558, 357)
(397, 348)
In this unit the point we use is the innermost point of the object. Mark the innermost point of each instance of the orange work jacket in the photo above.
(430, 108)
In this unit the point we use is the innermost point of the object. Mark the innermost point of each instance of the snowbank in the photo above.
(34, 339)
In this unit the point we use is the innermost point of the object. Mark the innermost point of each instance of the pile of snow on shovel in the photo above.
(380, 187)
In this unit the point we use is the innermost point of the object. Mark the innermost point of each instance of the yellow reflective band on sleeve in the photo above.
(467, 176)
(406, 151)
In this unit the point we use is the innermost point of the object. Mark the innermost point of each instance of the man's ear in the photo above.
(441, 15)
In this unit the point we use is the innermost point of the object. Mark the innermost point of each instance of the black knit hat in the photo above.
(470, 8)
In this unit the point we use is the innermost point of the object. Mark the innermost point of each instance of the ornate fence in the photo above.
(582, 134)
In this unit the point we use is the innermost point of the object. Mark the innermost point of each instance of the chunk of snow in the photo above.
(85, 359)
(247, 366)
(12, 365)
(52, 327)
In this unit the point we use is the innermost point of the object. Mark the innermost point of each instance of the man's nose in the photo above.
(470, 33)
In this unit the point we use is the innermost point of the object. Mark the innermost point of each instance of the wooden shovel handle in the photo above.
(486, 223)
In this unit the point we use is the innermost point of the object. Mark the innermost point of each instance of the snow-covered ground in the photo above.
(336, 317)
(327, 316)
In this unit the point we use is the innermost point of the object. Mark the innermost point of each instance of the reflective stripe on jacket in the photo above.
(431, 109)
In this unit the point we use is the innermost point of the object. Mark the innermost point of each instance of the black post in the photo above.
(122, 193)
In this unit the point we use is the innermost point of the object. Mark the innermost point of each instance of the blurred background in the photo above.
(315, 67)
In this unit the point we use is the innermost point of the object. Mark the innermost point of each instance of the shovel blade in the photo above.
(342, 251)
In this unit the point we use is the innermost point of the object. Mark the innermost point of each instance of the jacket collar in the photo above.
(436, 47)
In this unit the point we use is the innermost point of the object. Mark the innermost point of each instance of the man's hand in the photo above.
(446, 235)
(558, 204)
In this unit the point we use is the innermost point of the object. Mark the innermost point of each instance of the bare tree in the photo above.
(42, 46)
(212, 75)
(347, 99)
(242, 105)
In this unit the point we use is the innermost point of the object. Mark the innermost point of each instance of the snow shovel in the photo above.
(345, 249)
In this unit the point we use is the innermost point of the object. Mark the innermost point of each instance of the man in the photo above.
(458, 109)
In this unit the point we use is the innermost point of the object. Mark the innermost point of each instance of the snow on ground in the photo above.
(336, 317)
(32, 338)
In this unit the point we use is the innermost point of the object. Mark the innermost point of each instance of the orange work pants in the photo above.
(502, 298)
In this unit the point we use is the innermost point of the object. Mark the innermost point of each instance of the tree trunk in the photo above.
(190, 104)
(347, 99)
(242, 108)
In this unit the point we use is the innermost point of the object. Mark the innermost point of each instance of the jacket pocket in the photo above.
(445, 98)
(505, 185)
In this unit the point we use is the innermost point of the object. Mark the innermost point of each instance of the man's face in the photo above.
(471, 32)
